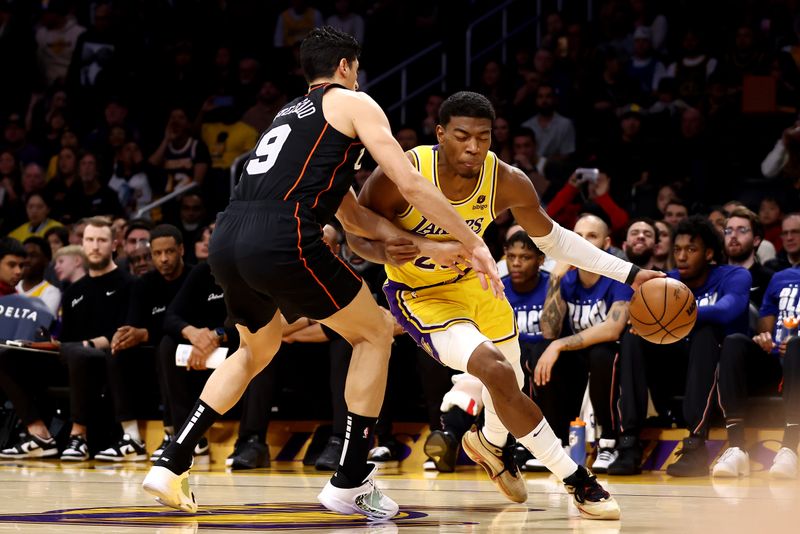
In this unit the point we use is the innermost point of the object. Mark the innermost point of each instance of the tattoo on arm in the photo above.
(553, 310)
(573, 342)
(619, 311)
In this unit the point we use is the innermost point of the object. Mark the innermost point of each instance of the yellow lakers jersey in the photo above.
(477, 209)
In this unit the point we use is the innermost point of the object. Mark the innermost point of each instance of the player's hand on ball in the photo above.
(544, 367)
(483, 263)
(764, 340)
(400, 250)
(644, 275)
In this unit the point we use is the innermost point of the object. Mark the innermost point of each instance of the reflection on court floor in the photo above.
(86, 498)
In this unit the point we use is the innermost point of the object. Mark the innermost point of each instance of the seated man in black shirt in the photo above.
(132, 357)
(92, 309)
(197, 315)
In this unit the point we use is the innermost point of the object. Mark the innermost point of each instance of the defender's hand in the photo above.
(400, 250)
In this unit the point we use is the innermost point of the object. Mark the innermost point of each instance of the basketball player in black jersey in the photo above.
(268, 255)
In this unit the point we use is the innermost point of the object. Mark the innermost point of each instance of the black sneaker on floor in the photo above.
(442, 447)
(31, 446)
(251, 453)
(629, 459)
(76, 450)
(692, 459)
(126, 450)
(328, 460)
(160, 450)
(592, 501)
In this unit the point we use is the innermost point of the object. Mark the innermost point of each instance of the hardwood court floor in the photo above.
(90, 498)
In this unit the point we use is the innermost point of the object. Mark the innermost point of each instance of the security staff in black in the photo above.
(267, 254)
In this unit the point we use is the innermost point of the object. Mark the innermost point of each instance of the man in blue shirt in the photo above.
(753, 366)
(688, 366)
(525, 289)
(595, 309)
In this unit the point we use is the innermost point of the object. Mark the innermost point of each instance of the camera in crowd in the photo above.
(586, 175)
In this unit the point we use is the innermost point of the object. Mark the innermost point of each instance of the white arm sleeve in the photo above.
(569, 247)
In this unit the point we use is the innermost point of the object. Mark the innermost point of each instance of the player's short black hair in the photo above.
(699, 226)
(43, 245)
(465, 104)
(524, 132)
(166, 230)
(525, 240)
(323, 49)
(138, 224)
(11, 247)
(61, 232)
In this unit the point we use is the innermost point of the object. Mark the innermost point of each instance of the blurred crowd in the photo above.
(664, 132)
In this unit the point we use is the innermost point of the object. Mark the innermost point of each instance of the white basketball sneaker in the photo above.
(170, 489)
(606, 455)
(784, 466)
(366, 499)
(733, 463)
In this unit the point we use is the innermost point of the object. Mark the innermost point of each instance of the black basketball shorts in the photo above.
(269, 255)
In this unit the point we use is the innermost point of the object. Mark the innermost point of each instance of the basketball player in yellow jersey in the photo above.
(450, 317)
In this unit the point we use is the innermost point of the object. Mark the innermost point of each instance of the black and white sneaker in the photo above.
(160, 450)
(126, 450)
(76, 450)
(31, 446)
(606, 455)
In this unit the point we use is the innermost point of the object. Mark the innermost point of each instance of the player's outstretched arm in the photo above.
(373, 129)
(516, 192)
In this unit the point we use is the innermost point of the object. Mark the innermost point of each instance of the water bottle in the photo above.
(577, 441)
(785, 329)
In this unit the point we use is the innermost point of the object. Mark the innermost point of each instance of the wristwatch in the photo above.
(223, 337)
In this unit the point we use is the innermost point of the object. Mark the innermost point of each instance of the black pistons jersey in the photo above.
(302, 159)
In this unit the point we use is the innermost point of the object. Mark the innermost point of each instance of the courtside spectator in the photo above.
(33, 284)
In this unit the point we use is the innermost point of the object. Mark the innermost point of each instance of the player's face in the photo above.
(674, 214)
(664, 241)
(641, 237)
(594, 231)
(790, 234)
(465, 142)
(739, 239)
(166, 254)
(691, 256)
(35, 263)
(523, 263)
(65, 266)
(135, 238)
(98, 245)
(11, 269)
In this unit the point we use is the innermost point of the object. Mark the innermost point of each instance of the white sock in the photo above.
(544, 444)
(493, 430)
(132, 429)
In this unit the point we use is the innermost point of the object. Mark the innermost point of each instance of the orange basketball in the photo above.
(663, 310)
